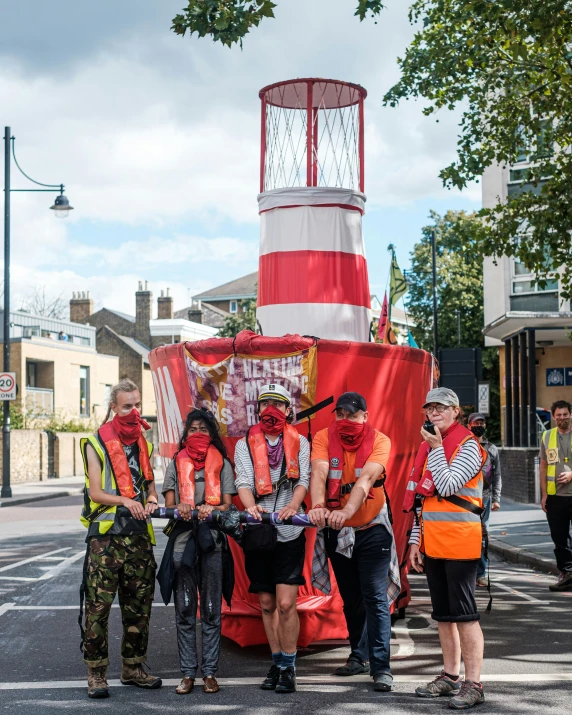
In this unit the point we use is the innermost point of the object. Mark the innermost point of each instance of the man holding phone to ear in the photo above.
(446, 542)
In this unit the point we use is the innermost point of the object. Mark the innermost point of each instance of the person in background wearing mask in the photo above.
(492, 482)
(556, 488)
(272, 474)
(348, 471)
(199, 476)
(119, 556)
(446, 542)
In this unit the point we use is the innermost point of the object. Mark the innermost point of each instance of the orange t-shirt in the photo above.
(380, 454)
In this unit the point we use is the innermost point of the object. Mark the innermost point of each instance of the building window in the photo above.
(84, 391)
(527, 295)
(106, 396)
(233, 308)
(31, 374)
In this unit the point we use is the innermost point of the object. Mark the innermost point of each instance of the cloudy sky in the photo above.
(157, 140)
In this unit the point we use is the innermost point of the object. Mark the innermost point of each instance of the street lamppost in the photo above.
(61, 209)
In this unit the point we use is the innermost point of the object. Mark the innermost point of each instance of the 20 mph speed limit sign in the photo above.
(7, 385)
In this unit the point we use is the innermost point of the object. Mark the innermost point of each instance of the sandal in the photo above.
(210, 684)
(185, 686)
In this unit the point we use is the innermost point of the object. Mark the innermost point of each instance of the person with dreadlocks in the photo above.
(119, 499)
(197, 559)
(273, 474)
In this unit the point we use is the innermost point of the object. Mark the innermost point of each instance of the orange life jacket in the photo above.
(121, 471)
(186, 476)
(258, 449)
(449, 531)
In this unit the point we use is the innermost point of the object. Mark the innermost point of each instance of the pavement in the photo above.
(527, 657)
(27, 492)
(519, 533)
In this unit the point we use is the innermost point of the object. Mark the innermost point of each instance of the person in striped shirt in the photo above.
(446, 541)
(272, 466)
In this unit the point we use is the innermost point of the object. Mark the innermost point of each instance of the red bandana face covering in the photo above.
(197, 445)
(351, 434)
(272, 421)
(128, 427)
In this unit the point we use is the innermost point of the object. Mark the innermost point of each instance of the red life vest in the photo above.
(119, 465)
(336, 462)
(258, 449)
(186, 476)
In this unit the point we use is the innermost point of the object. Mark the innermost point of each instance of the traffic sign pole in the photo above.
(6, 488)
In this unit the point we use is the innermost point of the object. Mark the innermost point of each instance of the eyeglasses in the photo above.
(436, 408)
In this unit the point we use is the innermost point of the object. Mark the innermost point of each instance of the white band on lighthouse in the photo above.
(312, 272)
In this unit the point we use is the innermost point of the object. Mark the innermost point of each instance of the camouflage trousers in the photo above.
(124, 565)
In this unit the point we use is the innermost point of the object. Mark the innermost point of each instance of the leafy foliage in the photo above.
(226, 21)
(508, 64)
(459, 288)
(229, 21)
(244, 319)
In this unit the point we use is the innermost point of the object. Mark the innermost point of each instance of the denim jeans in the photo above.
(482, 568)
(362, 581)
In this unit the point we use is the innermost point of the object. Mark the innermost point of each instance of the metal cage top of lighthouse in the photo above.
(312, 134)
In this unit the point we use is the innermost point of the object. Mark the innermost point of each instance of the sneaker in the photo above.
(97, 682)
(442, 685)
(271, 680)
(482, 582)
(563, 583)
(287, 682)
(352, 667)
(471, 694)
(136, 675)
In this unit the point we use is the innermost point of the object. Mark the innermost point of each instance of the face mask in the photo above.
(478, 430)
(196, 446)
(272, 421)
(351, 433)
(128, 427)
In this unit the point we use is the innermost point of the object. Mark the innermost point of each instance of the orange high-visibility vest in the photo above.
(449, 531)
(186, 477)
(256, 442)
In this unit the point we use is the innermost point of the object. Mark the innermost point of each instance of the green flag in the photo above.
(397, 284)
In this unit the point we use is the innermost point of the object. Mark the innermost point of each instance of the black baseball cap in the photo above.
(351, 401)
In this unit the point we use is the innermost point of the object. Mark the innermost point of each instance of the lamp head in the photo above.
(61, 206)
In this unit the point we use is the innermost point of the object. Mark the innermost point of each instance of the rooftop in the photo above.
(240, 288)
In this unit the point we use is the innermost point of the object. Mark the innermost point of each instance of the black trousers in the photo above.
(559, 515)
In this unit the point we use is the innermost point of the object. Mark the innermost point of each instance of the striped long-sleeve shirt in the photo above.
(245, 480)
(449, 478)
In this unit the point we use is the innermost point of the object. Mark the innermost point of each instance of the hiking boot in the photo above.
(471, 694)
(442, 685)
(136, 675)
(97, 686)
(352, 667)
(287, 682)
(564, 582)
(210, 684)
(271, 680)
(482, 582)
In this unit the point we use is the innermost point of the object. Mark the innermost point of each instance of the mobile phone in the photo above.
(429, 427)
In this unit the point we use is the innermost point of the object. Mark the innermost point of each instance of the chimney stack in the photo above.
(165, 309)
(143, 314)
(81, 307)
(196, 313)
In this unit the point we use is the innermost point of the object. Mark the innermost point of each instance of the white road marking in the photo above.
(33, 558)
(520, 594)
(5, 607)
(56, 570)
(302, 680)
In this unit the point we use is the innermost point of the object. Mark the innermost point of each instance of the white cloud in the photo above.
(151, 131)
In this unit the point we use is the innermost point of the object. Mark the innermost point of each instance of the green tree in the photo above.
(228, 21)
(459, 288)
(508, 65)
(244, 319)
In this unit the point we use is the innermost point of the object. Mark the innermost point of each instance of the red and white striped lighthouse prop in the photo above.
(312, 272)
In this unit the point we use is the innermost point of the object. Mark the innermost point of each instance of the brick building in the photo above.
(131, 338)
